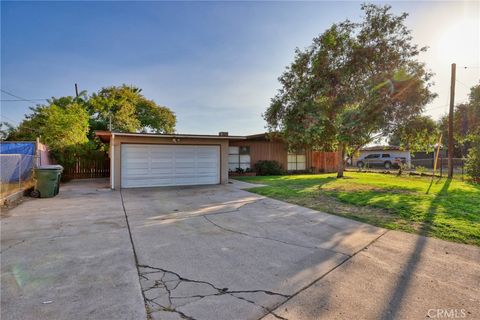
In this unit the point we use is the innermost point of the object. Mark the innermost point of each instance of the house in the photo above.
(247, 152)
(386, 152)
(147, 160)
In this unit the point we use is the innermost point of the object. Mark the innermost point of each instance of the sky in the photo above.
(215, 64)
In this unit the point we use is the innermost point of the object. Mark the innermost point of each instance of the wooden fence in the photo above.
(324, 161)
(95, 166)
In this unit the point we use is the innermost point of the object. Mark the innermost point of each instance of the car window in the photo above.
(370, 156)
(385, 155)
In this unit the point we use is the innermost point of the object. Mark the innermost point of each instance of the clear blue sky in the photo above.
(214, 64)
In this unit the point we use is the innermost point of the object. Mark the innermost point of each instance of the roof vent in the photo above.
(223, 134)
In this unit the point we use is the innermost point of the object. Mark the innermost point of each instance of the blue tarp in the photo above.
(16, 161)
(17, 148)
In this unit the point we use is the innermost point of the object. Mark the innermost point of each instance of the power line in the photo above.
(463, 84)
(18, 124)
(18, 97)
(31, 100)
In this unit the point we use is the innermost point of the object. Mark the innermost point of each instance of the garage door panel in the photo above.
(169, 165)
(161, 172)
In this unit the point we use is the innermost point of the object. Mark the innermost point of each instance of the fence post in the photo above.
(441, 167)
(19, 171)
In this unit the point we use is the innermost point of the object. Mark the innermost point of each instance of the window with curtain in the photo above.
(296, 161)
(238, 157)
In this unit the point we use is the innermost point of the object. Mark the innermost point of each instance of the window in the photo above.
(385, 155)
(296, 162)
(372, 156)
(238, 157)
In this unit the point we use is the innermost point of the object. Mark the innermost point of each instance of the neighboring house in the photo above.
(382, 154)
(147, 160)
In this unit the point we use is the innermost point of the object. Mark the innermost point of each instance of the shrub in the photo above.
(472, 164)
(268, 168)
(420, 169)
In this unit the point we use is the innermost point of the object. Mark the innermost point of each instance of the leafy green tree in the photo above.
(355, 81)
(59, 124)
(472, 164)
(65, 126)
(466, 121)
(420, 133)
(128, 111)
(6, 130)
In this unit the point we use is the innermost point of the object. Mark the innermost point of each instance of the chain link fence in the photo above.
(422, 166)
(16, 173)
(427, 165)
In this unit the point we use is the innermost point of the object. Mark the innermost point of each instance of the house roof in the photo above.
(105, 136)
(382, 148)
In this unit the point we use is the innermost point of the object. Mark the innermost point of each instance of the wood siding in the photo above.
(265, 150)
(316, 161)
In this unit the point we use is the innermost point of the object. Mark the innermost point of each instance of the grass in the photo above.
(9, 188)
(450, 210)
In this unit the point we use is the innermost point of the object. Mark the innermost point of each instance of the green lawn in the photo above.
(450, 211)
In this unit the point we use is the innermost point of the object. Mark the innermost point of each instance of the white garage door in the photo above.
(169, 165)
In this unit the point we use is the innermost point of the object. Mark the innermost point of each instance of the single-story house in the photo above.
(148, 160)
(383, 152)
(244, 153)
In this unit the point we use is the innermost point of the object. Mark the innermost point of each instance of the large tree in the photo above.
(355, 81)
(61, 123)
(466, 123)
(125, 109)
(420, 133)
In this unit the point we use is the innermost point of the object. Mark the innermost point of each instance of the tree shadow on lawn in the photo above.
(456, 211)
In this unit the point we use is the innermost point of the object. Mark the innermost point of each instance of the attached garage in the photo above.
(169, 165)
(156, 160)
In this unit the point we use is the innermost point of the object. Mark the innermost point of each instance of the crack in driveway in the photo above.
(270, 239)
(13, 245)
(167, 291)
(163, 288)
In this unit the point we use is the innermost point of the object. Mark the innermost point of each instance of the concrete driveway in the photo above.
(220, 253)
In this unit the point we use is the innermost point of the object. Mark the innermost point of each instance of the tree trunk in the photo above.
(341, 151)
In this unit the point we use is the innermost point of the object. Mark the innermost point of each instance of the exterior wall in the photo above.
(43, 155)
(117, 141)
(277, 150)
(265, 150)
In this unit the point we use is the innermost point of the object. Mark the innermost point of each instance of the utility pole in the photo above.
(76, 90)
(450, 122)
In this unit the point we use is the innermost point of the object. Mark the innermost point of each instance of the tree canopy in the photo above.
(466, 123)
(66, 121)
(356, 80)
(129, 111)
(420, 133)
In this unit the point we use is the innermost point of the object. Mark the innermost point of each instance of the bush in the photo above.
(420, 169)
(472, 164)
(268, 168)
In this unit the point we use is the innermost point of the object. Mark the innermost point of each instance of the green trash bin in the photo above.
(47, 183)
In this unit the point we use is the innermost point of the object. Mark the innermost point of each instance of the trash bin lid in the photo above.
(50, 167)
